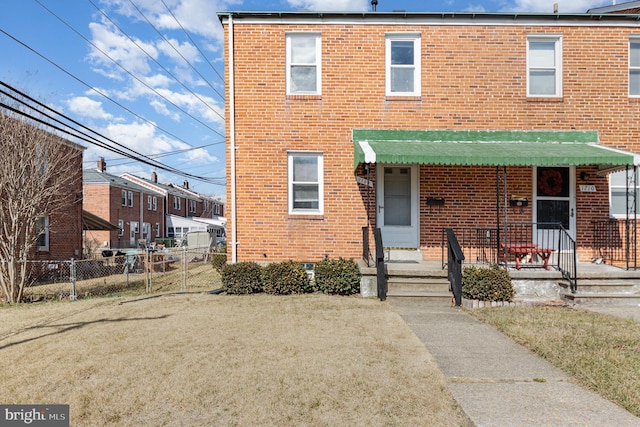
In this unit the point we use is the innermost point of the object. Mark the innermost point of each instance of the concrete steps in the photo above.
(406, 282)
(603, 291)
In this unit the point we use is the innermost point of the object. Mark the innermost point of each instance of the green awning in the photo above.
(486, 148)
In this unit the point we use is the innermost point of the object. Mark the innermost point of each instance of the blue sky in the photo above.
(165, 98)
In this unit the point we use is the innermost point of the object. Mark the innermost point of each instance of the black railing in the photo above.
(380, 270)
(454, 265)
(366, 252)
(520, 245)
(614, 243)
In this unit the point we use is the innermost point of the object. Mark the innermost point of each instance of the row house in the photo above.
(186, 210)
(139, 212)
(339, 123)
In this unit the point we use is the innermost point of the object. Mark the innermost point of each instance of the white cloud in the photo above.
(332, 5)
(87, 107)
(546, 6)
(140, 137)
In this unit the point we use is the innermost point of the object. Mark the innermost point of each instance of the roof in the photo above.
(94, 176)
(94, 222)
(460, 18)
(626, 7)
(485, 148)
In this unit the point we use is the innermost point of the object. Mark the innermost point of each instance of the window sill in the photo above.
(545, 99)
(306, 217)
(304, 97)
(402, 98)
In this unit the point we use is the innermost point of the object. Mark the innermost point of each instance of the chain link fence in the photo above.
(170, 269)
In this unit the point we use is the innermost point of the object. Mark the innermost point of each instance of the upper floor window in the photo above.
(130, 198)
(303, 64)
(403, 65)
(621, 201)
(155, 203)
(544, 66)
(124, 197)
(305, 183)
(192, 206)
(149, 203)
(634, 67)
(176, 202)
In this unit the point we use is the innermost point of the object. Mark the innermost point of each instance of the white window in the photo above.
(176, 202)
(155, 203)
(124, 197)
(130, 196)
(618, 194)
(146, 229)
(120, 228)
(157, 229)
(305, 172)
(544, 66)
(42, 228)
(634, 67)
(149, 203)
(192, 206)
(403, 75)
(304, 68)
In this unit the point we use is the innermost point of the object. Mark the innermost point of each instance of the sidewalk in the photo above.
(498, 382)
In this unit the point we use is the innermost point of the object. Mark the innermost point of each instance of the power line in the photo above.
(193, 42)
(130, 73)
(162, 66)
(96, 90)
(85, 137)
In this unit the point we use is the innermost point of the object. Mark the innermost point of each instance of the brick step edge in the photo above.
(473, 304)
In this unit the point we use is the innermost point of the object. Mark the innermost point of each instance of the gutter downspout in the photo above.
(232, 145)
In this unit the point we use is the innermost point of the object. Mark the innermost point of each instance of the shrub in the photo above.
(218, 261)
(284, 278)
(241, 278)
(487, 284)
(337, 276)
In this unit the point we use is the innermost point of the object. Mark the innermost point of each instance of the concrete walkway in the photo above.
(498, 382)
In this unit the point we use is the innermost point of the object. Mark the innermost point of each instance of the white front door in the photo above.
(555, 202)
(397, 207)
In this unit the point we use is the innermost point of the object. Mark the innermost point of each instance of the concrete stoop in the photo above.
(603, 291)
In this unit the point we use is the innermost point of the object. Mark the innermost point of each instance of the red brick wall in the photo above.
(65, 226)
(473, 78)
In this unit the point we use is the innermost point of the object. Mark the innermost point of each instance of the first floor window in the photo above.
(120, 227)
(620, 200)
(42, 228)
(305, 172)
(157, 229)
(146, 229)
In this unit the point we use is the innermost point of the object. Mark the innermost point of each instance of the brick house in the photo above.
(139, 212)
(62, 231)
(415, 122)
(186, 209)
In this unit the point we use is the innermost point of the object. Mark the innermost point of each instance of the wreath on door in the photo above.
(550, 182)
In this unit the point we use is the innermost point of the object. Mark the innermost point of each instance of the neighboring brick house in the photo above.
(413, 122)
(186, 210)
(139, 212)
(62, 237)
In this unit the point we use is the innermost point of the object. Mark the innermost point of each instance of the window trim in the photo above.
(417, 63)
(557, 39)
(634, 40)
(318, 63)
(130, 198)
(155, 203)
(149, 203)
(120, 228)
(124, 197)
(611, 187)
(290, 183)
(45, 234)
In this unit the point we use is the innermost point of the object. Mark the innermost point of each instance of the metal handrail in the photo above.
(455, 256)
(380, 269)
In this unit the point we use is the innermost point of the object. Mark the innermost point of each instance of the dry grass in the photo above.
(601, 352)
(201, 359)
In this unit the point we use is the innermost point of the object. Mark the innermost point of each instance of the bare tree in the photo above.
(37, 174)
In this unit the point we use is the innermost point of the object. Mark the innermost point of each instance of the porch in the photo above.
(408, 276)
